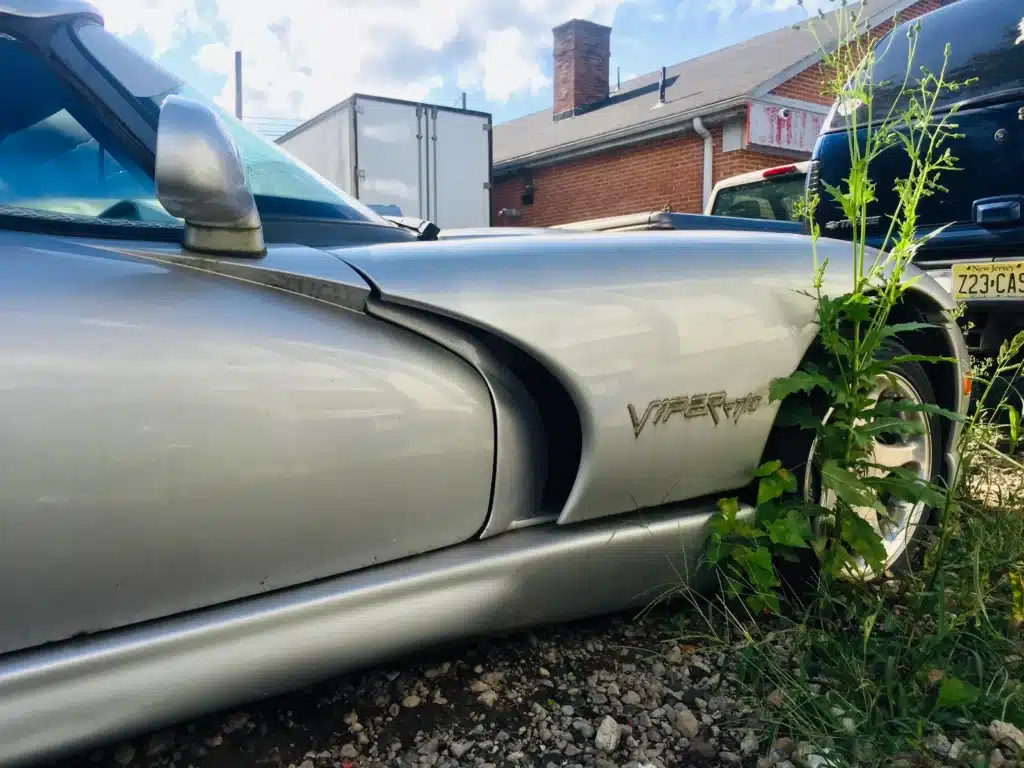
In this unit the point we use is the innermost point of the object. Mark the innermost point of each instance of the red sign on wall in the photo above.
(771, 125)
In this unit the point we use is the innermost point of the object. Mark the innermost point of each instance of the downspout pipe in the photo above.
(709, 149)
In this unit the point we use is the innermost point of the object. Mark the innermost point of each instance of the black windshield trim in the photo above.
(67, 225)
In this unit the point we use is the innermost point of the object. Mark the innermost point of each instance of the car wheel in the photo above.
(905, 530)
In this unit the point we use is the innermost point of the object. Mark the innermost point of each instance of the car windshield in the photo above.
(280, 183)
(983, 49)
(56, 158)
(772, 198)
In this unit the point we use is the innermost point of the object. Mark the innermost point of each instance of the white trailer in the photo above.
(431, 162)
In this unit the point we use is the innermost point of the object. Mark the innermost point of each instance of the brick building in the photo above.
(667, 137)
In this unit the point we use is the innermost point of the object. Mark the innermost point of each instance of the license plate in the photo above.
(995, 280)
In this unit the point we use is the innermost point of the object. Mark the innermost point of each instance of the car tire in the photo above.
(793, 447)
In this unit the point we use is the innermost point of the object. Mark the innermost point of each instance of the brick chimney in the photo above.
(582, 53)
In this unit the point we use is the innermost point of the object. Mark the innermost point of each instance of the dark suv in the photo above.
(980, 256)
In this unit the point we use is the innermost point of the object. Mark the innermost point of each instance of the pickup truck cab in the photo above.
(979, 257)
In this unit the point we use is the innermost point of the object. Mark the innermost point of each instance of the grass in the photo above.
(911, 668)
(899, 672)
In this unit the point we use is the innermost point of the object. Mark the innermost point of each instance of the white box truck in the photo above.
(429, 162)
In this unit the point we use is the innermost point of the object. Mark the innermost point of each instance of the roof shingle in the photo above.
(693, 87)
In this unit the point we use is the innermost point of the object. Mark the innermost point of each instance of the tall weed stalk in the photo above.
(888, 663)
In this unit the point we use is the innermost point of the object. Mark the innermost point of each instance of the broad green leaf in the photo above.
(758, 563)
(848, 486)
(892, 426)
(897, 328)
(794, 530)
(908, 488)
(956, 693)
(775, 485)
(894, 407)
(801, 381)
(768, 468)
(857, 307)
(797, 415)
(881, 366)
(863, 540)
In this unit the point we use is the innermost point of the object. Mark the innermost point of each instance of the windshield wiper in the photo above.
(425, 230)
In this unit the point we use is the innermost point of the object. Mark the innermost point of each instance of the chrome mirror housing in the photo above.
(200, 178)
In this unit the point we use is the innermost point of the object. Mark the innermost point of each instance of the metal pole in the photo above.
(463, 99)
(238, 84)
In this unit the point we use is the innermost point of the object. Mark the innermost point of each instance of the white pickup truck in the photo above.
(768, 194)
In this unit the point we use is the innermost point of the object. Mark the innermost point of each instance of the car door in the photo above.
(174, 439)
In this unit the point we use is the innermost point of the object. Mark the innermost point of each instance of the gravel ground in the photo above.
(606, 693)
(615, 692)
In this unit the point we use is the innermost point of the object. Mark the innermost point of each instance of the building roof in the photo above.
(700, 86)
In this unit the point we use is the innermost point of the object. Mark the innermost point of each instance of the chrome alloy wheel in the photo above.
(912, 452)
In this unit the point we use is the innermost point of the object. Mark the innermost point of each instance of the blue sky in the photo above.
(302, 56)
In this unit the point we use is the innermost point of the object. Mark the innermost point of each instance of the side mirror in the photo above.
(200, 178)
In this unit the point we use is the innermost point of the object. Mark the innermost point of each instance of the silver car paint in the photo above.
(520, 461)
(627, 318)
(175, 439)
(68, 697)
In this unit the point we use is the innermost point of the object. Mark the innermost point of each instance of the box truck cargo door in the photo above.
(390, 155)
(460, 163)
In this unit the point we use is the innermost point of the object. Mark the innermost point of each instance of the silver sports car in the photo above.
(254, 434)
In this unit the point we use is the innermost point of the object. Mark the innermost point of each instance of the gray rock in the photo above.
(748, 745)
(488, 698)
(632, 698)
(608, 735)
(571, 750)
(784, 746)
(939, 744)
(956, 749)
(673, 655)
(775, 698)
(124, 754)
(411, 701)
(585, 729)
(603, 762)
(1006, 735)
(459, 748)
(479, 686)
(996, 759)
(429, 748)
(687, 724)
(729, 757)
(658, 669)
(704, 749)
(568, 711)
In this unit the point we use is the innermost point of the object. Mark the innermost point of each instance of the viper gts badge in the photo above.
(717, 405)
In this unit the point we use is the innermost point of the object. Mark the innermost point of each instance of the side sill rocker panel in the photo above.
(72, 695)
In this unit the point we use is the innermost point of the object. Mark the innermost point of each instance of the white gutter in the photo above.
(709, 149)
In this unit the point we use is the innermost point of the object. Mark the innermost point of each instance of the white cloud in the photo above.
(302, 56)
(731, 10)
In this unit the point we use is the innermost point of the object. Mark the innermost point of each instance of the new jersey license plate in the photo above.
(994, 280)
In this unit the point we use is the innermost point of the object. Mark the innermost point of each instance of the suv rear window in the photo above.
(982, 35)
(772, 198)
